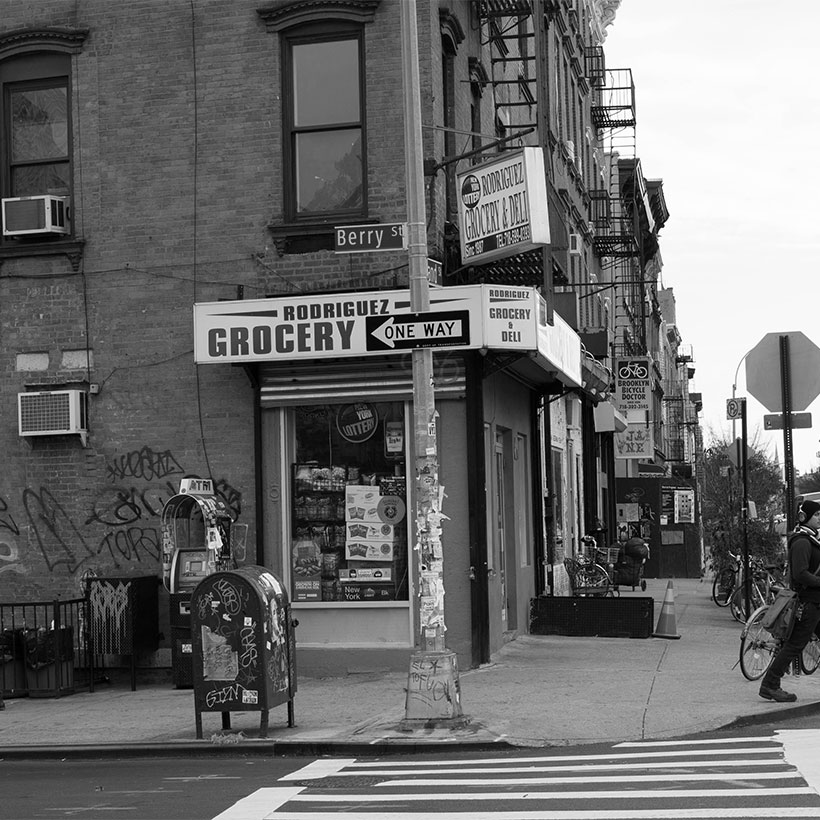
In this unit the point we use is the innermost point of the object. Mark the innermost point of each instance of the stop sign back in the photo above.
(763, 379)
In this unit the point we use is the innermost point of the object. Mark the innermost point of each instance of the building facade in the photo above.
(202, 253)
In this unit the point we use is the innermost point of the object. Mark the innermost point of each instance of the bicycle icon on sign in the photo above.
(633, 370)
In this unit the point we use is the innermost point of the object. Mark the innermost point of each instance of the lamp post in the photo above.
(433, 668)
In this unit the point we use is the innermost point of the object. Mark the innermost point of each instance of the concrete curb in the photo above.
(345, 748)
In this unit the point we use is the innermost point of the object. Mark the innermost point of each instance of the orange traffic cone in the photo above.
(667, 627)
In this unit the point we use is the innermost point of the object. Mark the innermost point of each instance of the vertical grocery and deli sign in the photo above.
(633, 388)
(502, 206)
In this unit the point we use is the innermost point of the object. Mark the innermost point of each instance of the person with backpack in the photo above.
(804, 565)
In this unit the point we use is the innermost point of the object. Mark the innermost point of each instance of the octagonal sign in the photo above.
(763, 371)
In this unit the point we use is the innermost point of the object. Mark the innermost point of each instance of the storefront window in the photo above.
(349, 518)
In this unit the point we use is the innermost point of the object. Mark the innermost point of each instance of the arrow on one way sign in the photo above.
(408, 330)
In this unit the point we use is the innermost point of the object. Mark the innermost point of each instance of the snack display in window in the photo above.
(349, 527)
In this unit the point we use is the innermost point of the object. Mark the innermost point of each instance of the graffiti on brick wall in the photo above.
(59, 540)
(145, 463)
(122, 526)
(9, 531)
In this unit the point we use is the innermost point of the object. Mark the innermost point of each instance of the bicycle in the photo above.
(587, 577)
(765, 582)
(725, 581)
(758, 647)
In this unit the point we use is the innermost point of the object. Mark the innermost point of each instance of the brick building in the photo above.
(196, 157)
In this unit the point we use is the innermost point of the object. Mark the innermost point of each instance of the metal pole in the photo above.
(786, 393)
(432, 662)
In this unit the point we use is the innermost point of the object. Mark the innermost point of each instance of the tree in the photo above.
(722, 501)
(809, 483)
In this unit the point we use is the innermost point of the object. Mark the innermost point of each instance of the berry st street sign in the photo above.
(370, 238)
(413, 330)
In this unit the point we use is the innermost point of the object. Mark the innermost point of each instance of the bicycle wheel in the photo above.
(757, 646)
(593, 578)
(723, 586)
(737, 603)
(810, 656)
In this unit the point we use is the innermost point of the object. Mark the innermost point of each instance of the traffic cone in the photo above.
(667, 628)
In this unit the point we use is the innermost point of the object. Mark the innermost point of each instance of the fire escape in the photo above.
(514, 32)
(620, 207)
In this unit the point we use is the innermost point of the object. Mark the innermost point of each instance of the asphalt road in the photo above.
(737, 773)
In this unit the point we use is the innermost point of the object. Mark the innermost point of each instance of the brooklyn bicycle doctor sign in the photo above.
(633, 395)
(502, 206)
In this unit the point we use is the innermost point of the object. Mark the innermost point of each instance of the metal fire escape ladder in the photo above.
(513, 69)
(615, 209)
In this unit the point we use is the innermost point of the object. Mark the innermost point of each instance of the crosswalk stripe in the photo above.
(259, 804)
(710, 741)
(324, 767)
(346, 797)
(771, 749)
(563, 814)
(592, 767)
(790, 774)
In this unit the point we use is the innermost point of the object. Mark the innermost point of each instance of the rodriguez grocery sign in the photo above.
(342, 324)
(503, 206)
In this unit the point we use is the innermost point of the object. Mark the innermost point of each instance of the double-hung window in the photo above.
(325, 165)
(35, 149)
(38, 136)
(36, 145)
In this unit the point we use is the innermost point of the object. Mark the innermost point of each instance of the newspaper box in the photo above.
(244, 648)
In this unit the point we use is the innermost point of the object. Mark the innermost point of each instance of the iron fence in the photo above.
(44, 648)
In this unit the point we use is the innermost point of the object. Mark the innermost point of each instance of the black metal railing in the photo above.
(44, 648)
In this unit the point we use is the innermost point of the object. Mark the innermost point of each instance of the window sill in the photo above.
(309, 237)
(72, 248)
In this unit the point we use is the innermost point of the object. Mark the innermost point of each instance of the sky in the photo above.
(728, 117)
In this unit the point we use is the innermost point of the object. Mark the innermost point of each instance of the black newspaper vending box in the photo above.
(244, 648)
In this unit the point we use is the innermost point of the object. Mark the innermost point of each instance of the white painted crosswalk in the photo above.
(752, 777)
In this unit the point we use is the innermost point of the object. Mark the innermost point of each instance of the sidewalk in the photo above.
(537, 691)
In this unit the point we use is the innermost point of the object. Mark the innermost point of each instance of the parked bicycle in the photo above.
(586, 576)
(764, 583)
(726, 580)
(758, 647)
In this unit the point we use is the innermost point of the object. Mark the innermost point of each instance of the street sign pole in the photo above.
(747, 574)
(433, 665)
(786, 392)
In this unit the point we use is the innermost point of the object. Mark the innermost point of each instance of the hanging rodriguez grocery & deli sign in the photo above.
(502, 206)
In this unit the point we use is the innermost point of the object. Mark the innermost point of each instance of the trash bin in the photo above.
(12, 664)
(244, 648)
(49, 657)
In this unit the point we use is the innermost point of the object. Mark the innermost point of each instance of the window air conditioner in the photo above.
(575, 244)
(35, 215)
(570, 146)
(53, 413)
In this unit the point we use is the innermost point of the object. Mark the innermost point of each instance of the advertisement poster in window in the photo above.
(684, 506)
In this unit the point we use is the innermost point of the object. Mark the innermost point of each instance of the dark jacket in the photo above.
(804, 563)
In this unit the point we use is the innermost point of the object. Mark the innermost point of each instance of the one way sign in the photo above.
(408, 330)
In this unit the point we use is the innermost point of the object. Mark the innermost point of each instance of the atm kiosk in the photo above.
(196, 542)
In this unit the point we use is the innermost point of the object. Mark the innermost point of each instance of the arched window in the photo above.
(36, 140)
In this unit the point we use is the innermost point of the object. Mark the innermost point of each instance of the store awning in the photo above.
(608, 419)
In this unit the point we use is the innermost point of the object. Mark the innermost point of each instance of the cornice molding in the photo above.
(289, 13)
(451, 26)
(603, 15)
(52, 38)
